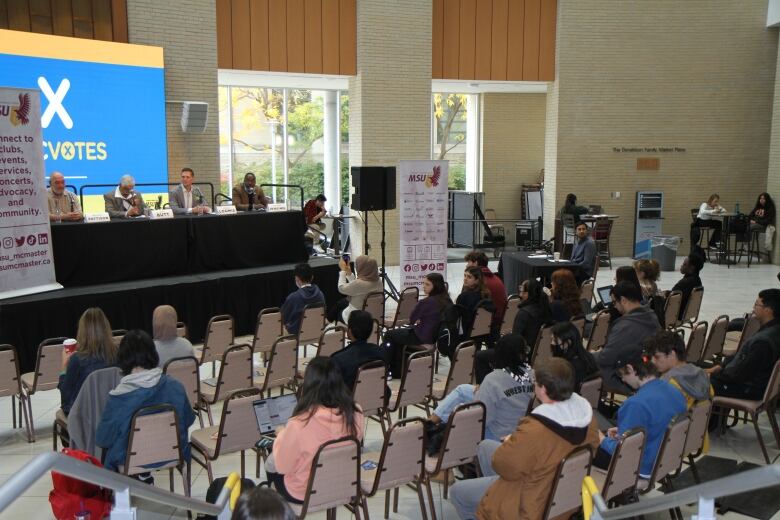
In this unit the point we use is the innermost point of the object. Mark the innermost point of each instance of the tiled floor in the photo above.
(727, 291)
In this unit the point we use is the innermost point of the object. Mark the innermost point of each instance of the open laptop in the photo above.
(605, 294)
(274, 412)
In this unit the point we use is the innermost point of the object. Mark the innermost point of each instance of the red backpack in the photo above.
(71, 496)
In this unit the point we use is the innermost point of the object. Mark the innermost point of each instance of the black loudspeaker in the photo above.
(374, 187)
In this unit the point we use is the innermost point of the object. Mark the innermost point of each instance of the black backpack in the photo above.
(448, 335)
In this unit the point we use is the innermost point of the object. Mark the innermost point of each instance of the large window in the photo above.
(279, 135)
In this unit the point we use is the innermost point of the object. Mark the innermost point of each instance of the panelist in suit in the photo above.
(246, 197)
(186, 198)
(124, 202)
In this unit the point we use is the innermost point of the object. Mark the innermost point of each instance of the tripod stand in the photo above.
(390, 289)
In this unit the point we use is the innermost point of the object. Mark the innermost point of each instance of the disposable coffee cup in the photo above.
(70, 345)
(557, 256)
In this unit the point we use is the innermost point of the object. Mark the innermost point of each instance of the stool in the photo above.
(754, 246)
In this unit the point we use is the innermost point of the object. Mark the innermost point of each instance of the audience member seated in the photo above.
(648, 272)
(166, 339)
(262, 503)
(124, 202)
(565, 303)
(652, 407)
(325, 412)
(584, 253)
(143, 385)
(505, 392)
(704, 220)
(690, 269)
(425, 319)
(570, 207)
(247, 197)
(63, 204)
(626, 334)
(359, 351)
(355, 288)
(534, 311)
(567, 344)
(494, 285)
(763, 213)
(306, 294)
(187, 198)
(746, 374)
(474, 291)
(518, 480)
(96, 350)
(667, 352)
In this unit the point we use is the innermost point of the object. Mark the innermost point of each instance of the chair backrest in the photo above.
(693, 306)
(238, 425)
(752, 324)
(335, 476)
(464, 431)
(186, 371)
(591, 390)
(543, 346)
(565, 496)
(403, 455)
(602, 228)
(283, 363)
(312, 322)
(219, 336)
(48, 365)
(331, 341)
(462, 366)
(490, 214)
(697, 341)
(267, 329)
(773, 387)
(153, 439)
(417, 379)
(235, 371)
(623, 470)
(586, 291)
(579, 323)
(117, 335)
(672, 309)
(567, 219)
(181, 329)
(671, 452)
(369, 390)
(512, 308)
(697, 431)
(716, 339)
(374, 304)
(9, 371)
(406, 303)
(482, 321)
(600, 330)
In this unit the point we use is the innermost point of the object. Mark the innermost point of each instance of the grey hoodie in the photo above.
(624, 341)
(692, 380)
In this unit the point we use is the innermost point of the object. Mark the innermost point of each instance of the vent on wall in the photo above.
(194, 116)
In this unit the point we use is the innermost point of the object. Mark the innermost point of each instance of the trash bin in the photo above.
(663, 249)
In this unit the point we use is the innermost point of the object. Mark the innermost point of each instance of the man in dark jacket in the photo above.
(360, 351)
(494, 285)
(746, 374)
(690, 269)
(627, 334)
(307, 293)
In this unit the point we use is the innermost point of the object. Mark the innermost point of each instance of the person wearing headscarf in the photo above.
(356, 287)
(166, 340)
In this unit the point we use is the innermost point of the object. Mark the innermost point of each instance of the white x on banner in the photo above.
(55, 103)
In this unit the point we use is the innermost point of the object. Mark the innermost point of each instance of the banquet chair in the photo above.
(220, 334)
(565, 499)
(235, 373)
(403, 311)
(45, 377)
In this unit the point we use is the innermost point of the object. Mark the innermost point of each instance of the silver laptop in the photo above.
(274, 412)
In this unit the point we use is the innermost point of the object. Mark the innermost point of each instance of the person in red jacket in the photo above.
(494, 285)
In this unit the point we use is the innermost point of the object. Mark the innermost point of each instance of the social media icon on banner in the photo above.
(440, 267)
(43, 238)
(8, 242)
(20, 241)
(31, 240)
(407, 268)
(424, 267)
(415, 268)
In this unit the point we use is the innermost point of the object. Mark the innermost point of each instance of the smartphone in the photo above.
(368, 465)
(345, 257)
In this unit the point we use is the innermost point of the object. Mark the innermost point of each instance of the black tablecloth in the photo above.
(123, 250)
(515, 268)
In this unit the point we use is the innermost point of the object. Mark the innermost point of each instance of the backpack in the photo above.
(448, 335)
(71, 496)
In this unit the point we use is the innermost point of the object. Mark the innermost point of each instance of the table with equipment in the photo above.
(515, 268)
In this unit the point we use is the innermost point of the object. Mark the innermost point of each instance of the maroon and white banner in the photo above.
(26, 264)
(423, 220)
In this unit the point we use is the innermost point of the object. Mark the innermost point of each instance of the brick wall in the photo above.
(513, 127)
(773, 178)
(390, 98)
(699, 75)
(187, 31)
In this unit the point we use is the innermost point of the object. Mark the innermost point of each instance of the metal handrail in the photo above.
(169, 184)
(300, 188)
(122, 486)
(703, 494)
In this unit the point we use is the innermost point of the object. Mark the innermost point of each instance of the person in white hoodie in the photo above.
(523, 466)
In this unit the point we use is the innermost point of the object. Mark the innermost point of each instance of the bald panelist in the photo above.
(63, 204)
(124, 202)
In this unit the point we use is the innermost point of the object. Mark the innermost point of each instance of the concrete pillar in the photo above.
(331, 152)
(773, 177)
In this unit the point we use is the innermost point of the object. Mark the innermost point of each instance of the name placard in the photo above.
(161, 213)
(226, 210)
(96, 217)
(277, 206)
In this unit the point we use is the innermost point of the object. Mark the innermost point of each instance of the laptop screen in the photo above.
(605, 294)
(274, 412)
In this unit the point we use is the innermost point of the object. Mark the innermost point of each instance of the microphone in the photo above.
(251, 200)
(159, 202)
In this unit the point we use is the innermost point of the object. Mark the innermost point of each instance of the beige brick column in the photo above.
(773, 178)
(187, 29)
(390, 99)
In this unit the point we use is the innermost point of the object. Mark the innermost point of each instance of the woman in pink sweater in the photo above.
(325, 411)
